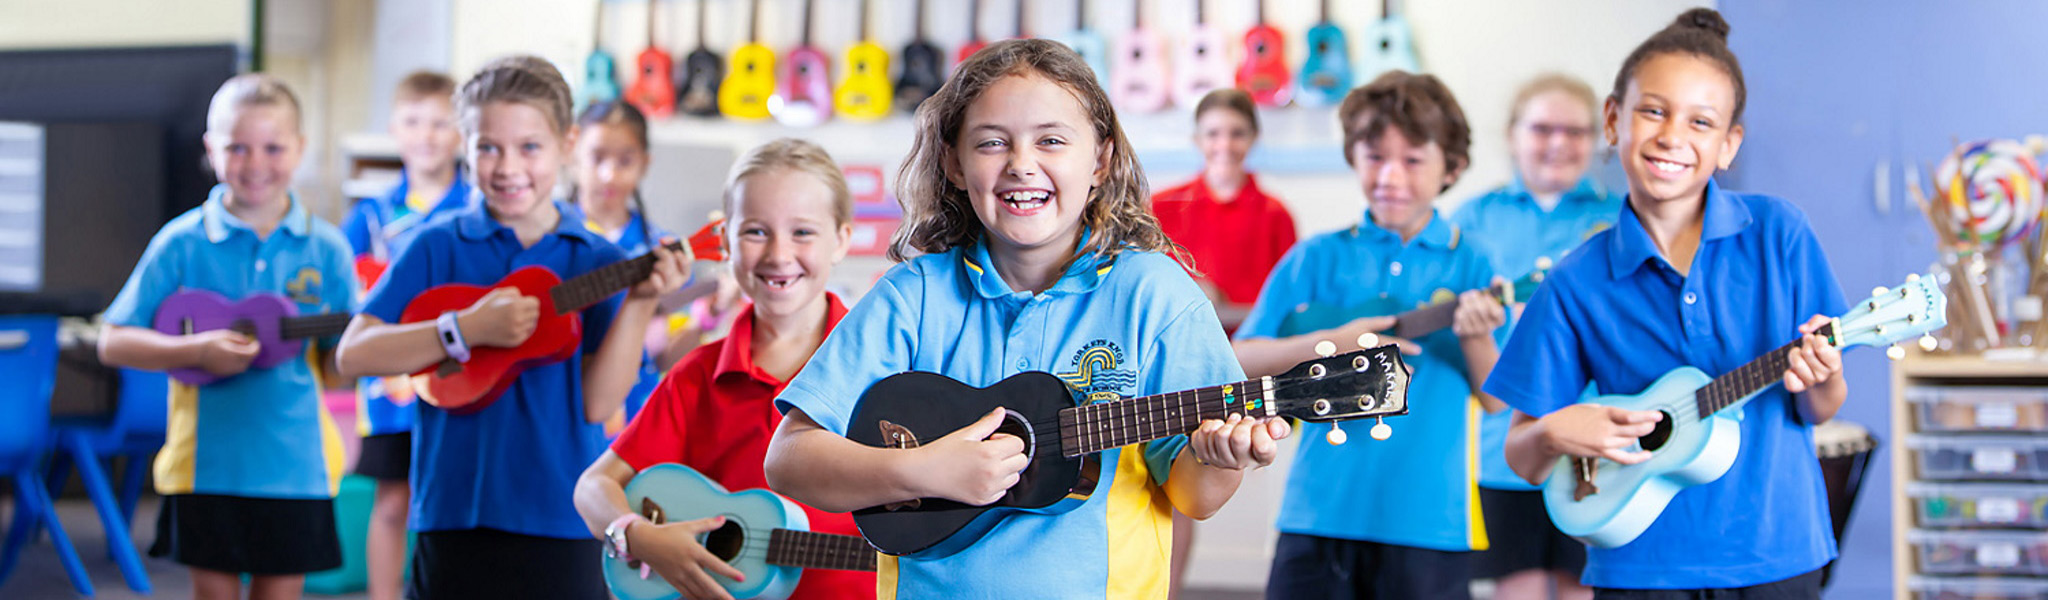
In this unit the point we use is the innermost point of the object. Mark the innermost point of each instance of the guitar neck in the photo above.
(1735, 387)
(590, 288)
(313, 326)
(1439, 315)
(864, 34)
(702, 42)
(1101, 426)
(812, 550)
(807, 24)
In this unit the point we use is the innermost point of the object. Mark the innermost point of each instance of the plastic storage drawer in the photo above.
(1970, 408)
(1981, 552)
(1942, 588)
(1979, 504)
(1953, 458)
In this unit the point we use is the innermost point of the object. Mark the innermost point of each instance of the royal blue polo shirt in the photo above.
(512, 466)
(1518, 234)
(1131, 327)
(636, 238)
(379, 227)
(1427, 472)
(264, 433)
(1617, 315)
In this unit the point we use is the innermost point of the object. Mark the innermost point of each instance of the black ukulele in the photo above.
(924, 68)
(697, 94)
(1062, 438)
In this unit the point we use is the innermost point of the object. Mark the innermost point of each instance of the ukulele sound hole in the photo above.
(1015, 424)
(1659, 434)
(726, 541)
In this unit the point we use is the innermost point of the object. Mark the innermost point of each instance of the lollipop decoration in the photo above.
(1988, 195)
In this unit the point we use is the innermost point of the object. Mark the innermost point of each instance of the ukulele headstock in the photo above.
(1355, 385)
(1915, 308)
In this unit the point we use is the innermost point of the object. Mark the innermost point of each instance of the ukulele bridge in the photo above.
(1587, 469)
(900, 438)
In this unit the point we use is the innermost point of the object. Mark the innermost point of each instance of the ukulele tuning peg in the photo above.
(1879, 291)
(1368, 341)
(1894, 352)
(1381, 431)
(1912, 277)
(1337, 437)
(1928, 343)
(1326, 348)
(1543, 263)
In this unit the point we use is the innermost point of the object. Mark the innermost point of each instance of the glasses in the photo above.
(1545, 130)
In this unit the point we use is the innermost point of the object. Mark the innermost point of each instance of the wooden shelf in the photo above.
(1942, 366)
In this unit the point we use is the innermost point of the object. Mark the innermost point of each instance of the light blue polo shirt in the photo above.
(635, 240)
(264, 433)
(512, 466)
(1134, 327)
(1617, 315)
(380, 227)
(1518, 233)
(1426, 473)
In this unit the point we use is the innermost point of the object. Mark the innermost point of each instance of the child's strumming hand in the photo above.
(1814, 362)
(1478, 314)
(1598, 430)
(671, 549)
(974, 465)
(671, 271)
(224, 352)
(1238, 443)
(502, 318)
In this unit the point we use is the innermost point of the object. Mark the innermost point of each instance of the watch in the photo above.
(615, 536)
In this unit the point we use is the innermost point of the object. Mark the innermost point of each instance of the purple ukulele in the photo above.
(270, 319)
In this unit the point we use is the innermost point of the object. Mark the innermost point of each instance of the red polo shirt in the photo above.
(1234, 244)
(714, 411)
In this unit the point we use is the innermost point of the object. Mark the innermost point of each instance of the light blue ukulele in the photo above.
(765, 536)
(1607, 504)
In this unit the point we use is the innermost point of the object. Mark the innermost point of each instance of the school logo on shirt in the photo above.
(1596, 228)
(304, 288)
(1096, 375)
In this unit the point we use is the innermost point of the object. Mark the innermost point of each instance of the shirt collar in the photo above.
(736, 357)
(475, 223)
(1204, 192)
(1439, 233)
(1631, 246)
(220, 224)
(1084, 275)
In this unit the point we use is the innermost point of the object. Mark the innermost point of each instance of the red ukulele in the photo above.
(654, 93)
(468, 387)
(974, 42)
(1264, 72)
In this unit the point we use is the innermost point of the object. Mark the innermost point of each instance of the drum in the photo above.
(1844, 449)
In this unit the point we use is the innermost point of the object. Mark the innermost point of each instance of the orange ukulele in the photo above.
(654, 93)
(472, 386)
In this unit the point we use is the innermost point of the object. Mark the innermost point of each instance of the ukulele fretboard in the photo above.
(813, 550)
(590, 288)
(1734, 386)
(313, 326)
(1101, 426)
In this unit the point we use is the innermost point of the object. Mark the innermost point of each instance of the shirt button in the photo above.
(1023, 364)
(1395, 268)
(260, 264)
(1690, 298)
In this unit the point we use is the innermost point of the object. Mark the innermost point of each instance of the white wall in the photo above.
(96, 23)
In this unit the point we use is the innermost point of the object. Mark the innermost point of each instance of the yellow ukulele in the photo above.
(866, 93)
(751, 80)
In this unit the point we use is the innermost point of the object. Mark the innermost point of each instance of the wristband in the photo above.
(615, 535)
(451, 337)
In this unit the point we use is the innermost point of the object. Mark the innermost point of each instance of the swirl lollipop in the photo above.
(1993, 188)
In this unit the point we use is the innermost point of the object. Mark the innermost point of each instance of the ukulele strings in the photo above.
(1047, 430)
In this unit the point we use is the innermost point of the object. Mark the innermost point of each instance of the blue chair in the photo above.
(28, 362)
(136, 430)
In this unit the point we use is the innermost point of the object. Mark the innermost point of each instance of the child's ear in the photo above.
(1730, 145)
(1103, 158)
(1453, 171)
(1610, 115)
(949, 165)
(845, 242)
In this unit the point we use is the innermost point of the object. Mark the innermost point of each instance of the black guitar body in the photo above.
(924, 70)
(697, 94)
(910, 409)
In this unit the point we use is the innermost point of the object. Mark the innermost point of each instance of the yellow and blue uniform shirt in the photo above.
(380, 227)
(636, 238)
(1617, 315)
(512, 466)
(1134, 327)
(1427, 472)
(264, 433)
(1518, 233)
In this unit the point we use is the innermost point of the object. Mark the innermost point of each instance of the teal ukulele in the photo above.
(765, 536)
(1412, 324)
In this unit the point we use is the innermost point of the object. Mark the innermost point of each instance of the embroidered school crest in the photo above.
(1097, 374)
(304, 288)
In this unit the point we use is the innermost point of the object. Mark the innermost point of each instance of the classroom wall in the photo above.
(97, 23)
(1840, 90)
